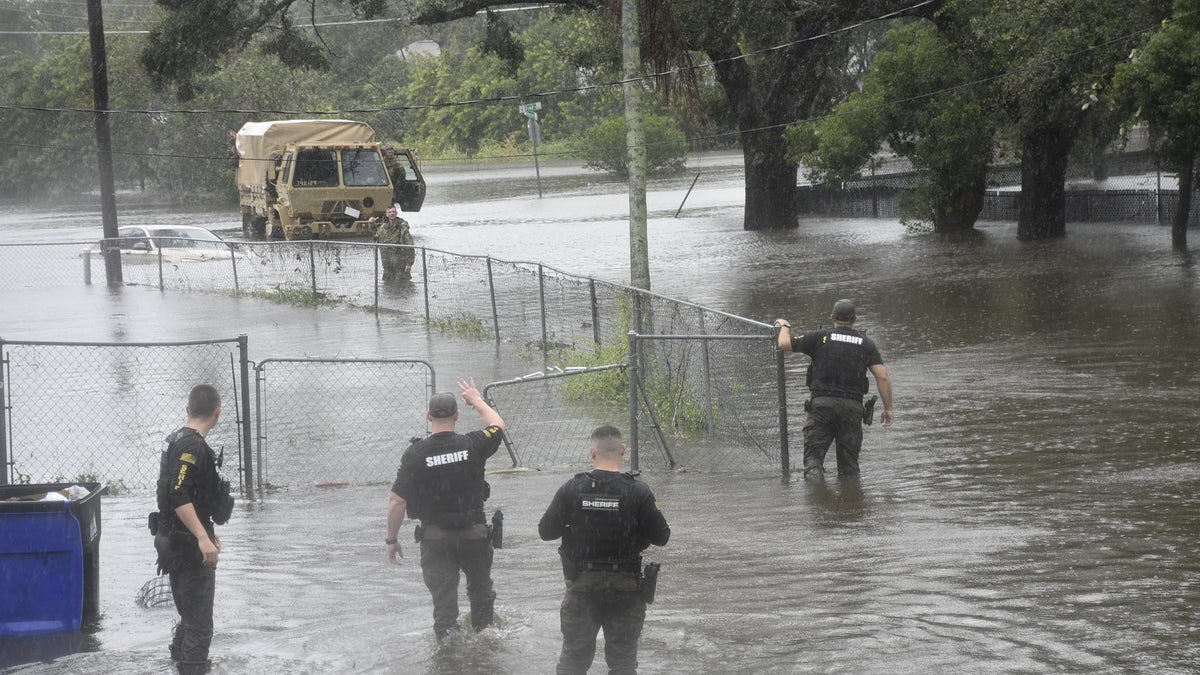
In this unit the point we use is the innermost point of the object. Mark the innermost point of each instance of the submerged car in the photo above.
(174, 243)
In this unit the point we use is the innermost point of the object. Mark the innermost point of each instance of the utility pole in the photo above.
(108, 199)
(635, 144)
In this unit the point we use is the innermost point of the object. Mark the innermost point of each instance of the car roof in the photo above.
(188, 231)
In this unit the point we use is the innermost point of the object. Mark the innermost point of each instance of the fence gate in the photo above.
(550, 416)
(99, 412)
(337, 421)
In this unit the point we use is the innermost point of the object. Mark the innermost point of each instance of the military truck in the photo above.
(320, 179)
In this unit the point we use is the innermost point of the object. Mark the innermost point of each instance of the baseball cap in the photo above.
(843, 310)
(443, 405)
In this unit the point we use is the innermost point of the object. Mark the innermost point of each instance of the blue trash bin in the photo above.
(49, 559)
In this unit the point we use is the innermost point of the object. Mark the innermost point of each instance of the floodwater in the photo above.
(1034, 509)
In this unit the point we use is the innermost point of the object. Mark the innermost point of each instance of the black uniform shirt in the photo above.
(187, 475)
(441, 476)
(840, 360)
(604, 516)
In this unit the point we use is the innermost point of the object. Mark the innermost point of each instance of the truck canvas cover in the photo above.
(259, 140)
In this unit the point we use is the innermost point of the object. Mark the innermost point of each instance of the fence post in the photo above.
(595, 312)
(492, 294)
(781, 382)
(259, 376)
(233, 260)
(631, 369)
(247, 455)
(161, 287)
(4, 468)
(542, 312)
(425, 276)
(87, 268)
(375, 278)
(1157, 194)
(705, 371)
(312, 267)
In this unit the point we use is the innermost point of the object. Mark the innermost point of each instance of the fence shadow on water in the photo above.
(707, 395)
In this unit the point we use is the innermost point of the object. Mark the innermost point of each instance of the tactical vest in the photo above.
(603, 520)
(449, 492)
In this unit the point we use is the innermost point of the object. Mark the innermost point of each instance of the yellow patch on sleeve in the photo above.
(187, 458)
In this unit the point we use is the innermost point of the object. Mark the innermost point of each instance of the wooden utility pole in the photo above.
(635, 142)
(108, 199)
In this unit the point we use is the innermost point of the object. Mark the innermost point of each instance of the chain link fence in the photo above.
(337, 421)
(715, 381)
(551, 415)
(711, 391)
(1130, 189)
(99, 412)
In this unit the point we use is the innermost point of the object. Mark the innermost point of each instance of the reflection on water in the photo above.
(1034, 508)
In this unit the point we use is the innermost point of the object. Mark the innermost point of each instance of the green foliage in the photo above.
(461, 325)
(466, 76)
(300, 296)
(1160, 83)
(914, 100)
(666, 148)
(192, 39)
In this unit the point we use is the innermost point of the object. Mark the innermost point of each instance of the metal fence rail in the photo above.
(101, 411)
(331, 421)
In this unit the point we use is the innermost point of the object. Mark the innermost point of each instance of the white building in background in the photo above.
(420, 48)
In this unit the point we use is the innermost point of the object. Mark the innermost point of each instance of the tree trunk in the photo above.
(770, 177)
(770, 183)
(1042, 210)
(1183, 210)
(959, 210)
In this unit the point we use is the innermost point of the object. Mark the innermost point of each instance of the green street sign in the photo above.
(530, 109)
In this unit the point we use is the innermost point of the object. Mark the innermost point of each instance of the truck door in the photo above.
(408, 185)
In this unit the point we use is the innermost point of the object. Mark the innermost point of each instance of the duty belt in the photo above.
(588, 566)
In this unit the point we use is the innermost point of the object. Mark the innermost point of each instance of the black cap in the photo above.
(442, 405)
(843, 310)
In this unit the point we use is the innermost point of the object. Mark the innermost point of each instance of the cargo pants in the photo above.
(595, 601)
(833, 419)
(444, 553)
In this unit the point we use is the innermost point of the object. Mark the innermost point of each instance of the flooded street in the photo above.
(1034, 509)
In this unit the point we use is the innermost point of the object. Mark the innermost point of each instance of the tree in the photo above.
(190, 37)
(913, 99)
(1052, 60)
(1162, 79)
(666, 147)
(775, 61)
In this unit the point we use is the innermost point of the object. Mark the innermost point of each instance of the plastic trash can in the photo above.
(49, 559)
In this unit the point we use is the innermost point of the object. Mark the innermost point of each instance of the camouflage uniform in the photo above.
(395, 259)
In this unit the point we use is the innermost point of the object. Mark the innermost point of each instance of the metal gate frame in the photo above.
(260, 380)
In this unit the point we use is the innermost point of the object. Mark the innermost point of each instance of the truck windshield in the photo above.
(361, 167)
(315, 168)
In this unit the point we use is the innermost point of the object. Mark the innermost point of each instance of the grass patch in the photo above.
(462, 325)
